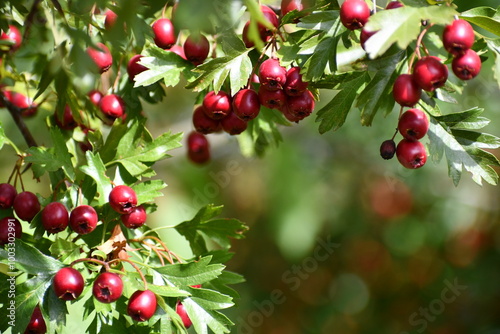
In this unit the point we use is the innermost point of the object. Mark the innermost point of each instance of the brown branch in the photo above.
(18, 119)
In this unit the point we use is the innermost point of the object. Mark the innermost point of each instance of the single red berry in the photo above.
(406, 91)
(294, 86)
(291, 117)
(413, 124)
(246, 39)
(135, 218)
(142, 305)
(272, 99)
(26, 205)
(181, 311)
(394, 5)
(101, 56)
(196, 49)
(458, 37)
(291, 5)
(95, 97)
(109, 19)
(67, 122)
(9, 226)
(364, 36)
(134, 68)
(233, 125)
(272, 75)
(68, 283)
(14, 36)
(430, 73)
(7, 195)
(302, 105)
(122, 199)
(388, 149)
(37, 323)
(55, 217)
(21, 101)
(272, 18)
(83, 219)
(164, 33)
(108, 287)
(7, 94)
(179, 50)
(354, 14)
(204, 124)
(217, 106)
(112, 106)
(198, 148)
(466, 66)
(411, 154)
(246, 104)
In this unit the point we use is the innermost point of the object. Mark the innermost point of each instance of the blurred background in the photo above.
(340, 240)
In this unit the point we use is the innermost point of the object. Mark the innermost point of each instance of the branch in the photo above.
(16, 115)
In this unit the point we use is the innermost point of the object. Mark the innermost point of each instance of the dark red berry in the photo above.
(413, 124)
(37, 323)
(289, 116)
(83, 219)
(101, 57)
(21, 101)
(198, 148)
(95, 97)
(142, 305)
(7, 195)
(122, 199)
(10, 228)
(135, 218)
(466, 66)
(108, 287)
(246, 39)
(458, 37)
(164, 33)
(294, 86)
(364, 36)
(411, 154)
(246, 104)
(204, 124)
(272, 99)
(26, 205)
(134, 68)
(354, 14)
(272, 18)
(388, 149)
(181, 311)
(217, 106)
(406, 91)
(112, 106)
(196, 49)
(67, 122)
(302, 105)
(272, 75)
(68, 283)
(394, 5)
(14, 36)
(233, 125)
(290, 5)
(430, 73)
(55, 217)
(109, 19)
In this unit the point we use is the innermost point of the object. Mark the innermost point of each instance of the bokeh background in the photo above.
(340, 241)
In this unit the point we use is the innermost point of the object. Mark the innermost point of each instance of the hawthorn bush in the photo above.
(87, 68)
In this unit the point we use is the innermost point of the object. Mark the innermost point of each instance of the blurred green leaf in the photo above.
(484, 17)
(192, 273)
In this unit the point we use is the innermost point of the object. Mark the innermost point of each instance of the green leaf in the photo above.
(476, 139)
(147, 191)
(167, 291)
(484, 17)
(202, 318)
(468, 119)
(494, 46)
(3, 138)
(191, 273)
(321, 20)
(65, 251)
(97, 171)
(30, 260)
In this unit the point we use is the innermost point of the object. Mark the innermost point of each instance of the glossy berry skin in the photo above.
(135, 218)
(458, 37)
(107, 288)
(95, 97)
(83, 219)
(272, 75)
(290, 5)
(142, 305)
(112, 106)
(413, 124)
(109, 19)
(233, 125)
(246, 104)
(394, 5)
(430, 73)
(406, 91)
(204, 124)
(294, 86)
(177, 49)
(272, 99)
(196, 49)
(164, 33)
(289, 116)
(388, 149)
(301, 106)
(466, 66)
(7, 195)
(134, 68)
(37, 323)
(67, 122)
(246, 39)
(122, 199)
(217, 106)
(411, 154)
(198, 148)
(26, 205)
(68, 284)
(28, 108)
(354, 14)
(55, 217)
(181, 311)
(272, 18)
(14, 36)
(9, 226)
(101, 56)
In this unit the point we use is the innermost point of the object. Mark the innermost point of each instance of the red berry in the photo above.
(411, 154)
(181, 311)
(110, 19)
(196, 49)
(364, 36)
(108, 287)
(458, 37)
(302, 105)
(14, 36)
(217, 106)
(198, 148)
(388, 149)
(9, 226)
(272, 75)
(246, 104)
(466, 66)
(164, 33)
(204, 124)
(272, 18)
(272, 99)
(142, 305)
(134, 68)
(21, 101)
(83, 219)
(430, 73)
(233, 125)
(122, 199)
(112, 106)
(354, 14)
(289, 116)
(37, 323)
(95, 97)
(177, 49)
(394, 5)
(406, 91)
(135, 218)
(55, 217)
(26, 205)
(413, 124)
(7, 95)
(67, 122)
(7, 195)
(246, 39)
(101, 56)
(290, 5)
(294, 86)
(68, 283)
